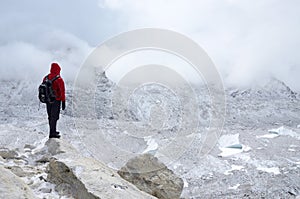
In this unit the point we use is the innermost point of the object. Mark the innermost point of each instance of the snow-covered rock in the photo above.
(12, 187)
(274, 170)
(86, 177)
(7, 153)
(55, 146)
(152, 176)
(234, 168)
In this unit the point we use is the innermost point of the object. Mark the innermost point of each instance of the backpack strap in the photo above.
(55, 78)
(52, 80)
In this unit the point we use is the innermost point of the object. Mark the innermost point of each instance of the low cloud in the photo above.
(249, 41)
(24, 60)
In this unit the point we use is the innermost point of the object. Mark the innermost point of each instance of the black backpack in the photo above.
(46, 93)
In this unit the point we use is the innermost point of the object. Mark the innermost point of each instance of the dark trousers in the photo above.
(53, 111)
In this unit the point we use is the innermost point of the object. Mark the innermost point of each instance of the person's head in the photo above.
(55, 69)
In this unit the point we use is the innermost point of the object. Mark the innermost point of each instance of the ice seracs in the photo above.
(229, 145)
(234, 187)
(281, 131)
(234, 168)
(152, 145)
(274, 170)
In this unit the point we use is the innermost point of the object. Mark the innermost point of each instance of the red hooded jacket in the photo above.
(58, 85)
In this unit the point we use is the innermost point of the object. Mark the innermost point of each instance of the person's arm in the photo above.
(62, 93)
(63, 105)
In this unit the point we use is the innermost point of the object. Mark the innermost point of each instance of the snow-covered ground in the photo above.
(256, 156)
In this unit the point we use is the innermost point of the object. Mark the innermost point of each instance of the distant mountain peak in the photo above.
(280, 87)
(274, 87)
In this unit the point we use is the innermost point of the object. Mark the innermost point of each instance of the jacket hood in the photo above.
(55, 69)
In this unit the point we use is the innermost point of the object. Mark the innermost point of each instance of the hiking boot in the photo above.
(54, 136)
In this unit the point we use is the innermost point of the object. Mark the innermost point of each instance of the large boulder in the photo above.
(84, 177)
(12, 187)
(150, 175)
(53, 147)
(56, 146)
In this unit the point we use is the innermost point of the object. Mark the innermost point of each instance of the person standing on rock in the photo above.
(59, 98)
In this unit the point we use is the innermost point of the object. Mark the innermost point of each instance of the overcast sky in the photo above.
(248, 40)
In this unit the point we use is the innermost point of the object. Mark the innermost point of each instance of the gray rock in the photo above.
(20, 161)
(18, 171)
(28, 146)
(152, 176)
(58, 146)
(12, 187)
(44, 159)
(53, 147)
(85, 177)
(64, 189)
(8, 154)
(45, 190)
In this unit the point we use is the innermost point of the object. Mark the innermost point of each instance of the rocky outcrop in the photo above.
(12, 187)
(152, 176)
(85, 177)
(82, 100)
(8, 154)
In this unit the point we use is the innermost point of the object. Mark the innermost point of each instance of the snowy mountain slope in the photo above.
(273, 104)
(271, 162)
